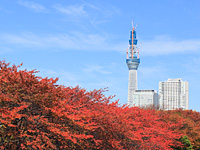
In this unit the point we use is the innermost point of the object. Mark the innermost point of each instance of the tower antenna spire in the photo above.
(132, 24)
(135, 26)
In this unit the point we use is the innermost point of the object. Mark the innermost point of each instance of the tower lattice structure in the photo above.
(132, 62)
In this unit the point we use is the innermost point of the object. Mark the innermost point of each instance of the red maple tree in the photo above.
(189, 123)
(35, 113)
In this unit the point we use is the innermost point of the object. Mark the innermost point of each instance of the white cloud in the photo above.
(105, 10)
(74, 10)
(163, 45)
(93, 13)
(23, 40)
(99, 42)
(33, 6)
(96, 69)
(73, 41)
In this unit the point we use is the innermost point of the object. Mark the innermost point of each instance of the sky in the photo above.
(84, 42)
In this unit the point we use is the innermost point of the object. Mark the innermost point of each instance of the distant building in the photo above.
(144, 98)
(174, 94)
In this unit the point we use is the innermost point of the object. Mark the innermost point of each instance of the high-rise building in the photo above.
(174, 94)
(133, 62)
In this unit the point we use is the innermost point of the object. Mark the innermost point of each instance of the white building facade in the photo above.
(144, 98)
(132, 85)
(174, 94)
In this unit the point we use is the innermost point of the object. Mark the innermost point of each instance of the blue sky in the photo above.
(84, 42)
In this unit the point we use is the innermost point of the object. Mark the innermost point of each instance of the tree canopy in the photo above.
(36, 113)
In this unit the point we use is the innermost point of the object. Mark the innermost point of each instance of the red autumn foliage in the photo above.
(35, 113)
(190, 124)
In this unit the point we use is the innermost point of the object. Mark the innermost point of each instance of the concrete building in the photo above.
(144, 98)
(174, 94)
(133, 62)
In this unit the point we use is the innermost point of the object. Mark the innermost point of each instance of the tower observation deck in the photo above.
(132, 62)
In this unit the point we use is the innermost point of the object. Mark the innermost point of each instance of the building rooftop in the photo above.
(145, 91)
(175, 80)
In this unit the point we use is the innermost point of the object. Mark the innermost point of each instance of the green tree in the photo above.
(186, 144)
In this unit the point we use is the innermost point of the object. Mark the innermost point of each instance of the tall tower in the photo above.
(133, 62)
